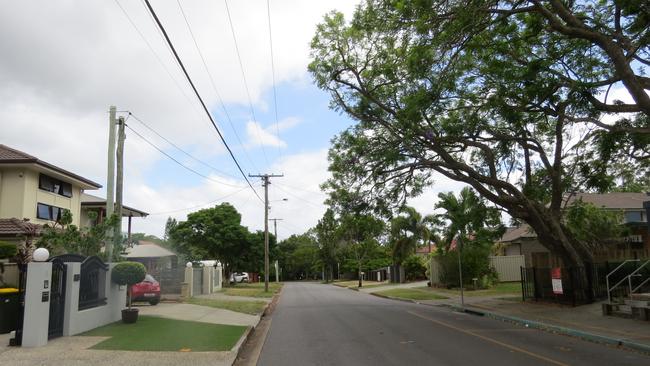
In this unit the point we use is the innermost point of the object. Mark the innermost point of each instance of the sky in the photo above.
(65, 62)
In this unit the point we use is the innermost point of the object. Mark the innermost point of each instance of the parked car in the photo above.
(239, 277)
(147, 290)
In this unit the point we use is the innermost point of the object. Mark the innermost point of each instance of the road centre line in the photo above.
(502, 344)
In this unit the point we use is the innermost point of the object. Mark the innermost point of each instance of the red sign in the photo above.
(556, 280)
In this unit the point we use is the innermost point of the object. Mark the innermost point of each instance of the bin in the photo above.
(9, 309)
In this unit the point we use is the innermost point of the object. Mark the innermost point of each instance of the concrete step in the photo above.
(641, 297)
(637, 303)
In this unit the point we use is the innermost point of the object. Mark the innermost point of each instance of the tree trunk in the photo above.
(360, 281)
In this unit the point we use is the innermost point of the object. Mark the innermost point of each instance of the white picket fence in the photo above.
(508, 267)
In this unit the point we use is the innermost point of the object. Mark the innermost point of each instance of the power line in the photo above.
(178, 86)
(275, 98)
(198, 206)
(300, 198)
(178, 162)
(214, 86)
(243, 74)
(205, 108)
(178, 148)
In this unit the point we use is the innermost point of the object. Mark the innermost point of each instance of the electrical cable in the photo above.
(198, 206)
(214, 86)
(178, 162)
(275, 97)
(243, 74)
(205, 108)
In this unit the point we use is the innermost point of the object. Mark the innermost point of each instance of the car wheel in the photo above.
(154, 302)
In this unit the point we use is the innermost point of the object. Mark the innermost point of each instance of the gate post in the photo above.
(188, 284)
(37, 304)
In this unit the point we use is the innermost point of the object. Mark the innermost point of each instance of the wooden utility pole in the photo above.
(275, 230)
(110, 177)
(265, 184)
(119, 185)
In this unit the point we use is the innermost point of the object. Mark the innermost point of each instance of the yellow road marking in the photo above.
(502, 344)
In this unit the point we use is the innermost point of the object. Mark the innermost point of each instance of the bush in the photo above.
(7, 250)
(128, 273)
(414, 269)
(476, 264)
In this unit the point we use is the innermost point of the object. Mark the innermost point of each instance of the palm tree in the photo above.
(408, 230)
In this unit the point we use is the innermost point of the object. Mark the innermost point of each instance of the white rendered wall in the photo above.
(76, 321)
(37, 312)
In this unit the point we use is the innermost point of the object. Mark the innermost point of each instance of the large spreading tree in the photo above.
(508, 97)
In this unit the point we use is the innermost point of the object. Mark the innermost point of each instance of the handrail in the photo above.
(642, 283)
(609, 290)
(633, 273)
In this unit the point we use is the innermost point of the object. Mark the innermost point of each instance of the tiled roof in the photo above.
(9, 155)
(147, 249)
(15, 227)
(615, 200)
(88, 200)
(514, 233)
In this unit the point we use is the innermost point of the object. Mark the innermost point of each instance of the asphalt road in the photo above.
(316, 324)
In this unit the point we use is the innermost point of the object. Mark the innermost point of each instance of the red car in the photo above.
(147, 290)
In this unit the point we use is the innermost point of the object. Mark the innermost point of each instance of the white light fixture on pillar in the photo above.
(188, 265)
(41, 255)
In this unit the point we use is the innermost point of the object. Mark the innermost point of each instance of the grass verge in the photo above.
(252, 289)
(152, 333)
(243, 306)
(504, 288)
(411, 294)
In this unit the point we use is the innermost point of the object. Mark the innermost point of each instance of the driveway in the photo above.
(317, 324)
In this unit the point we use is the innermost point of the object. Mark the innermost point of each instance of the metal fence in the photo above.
(170, 279)
(579, 285)
(197, 281)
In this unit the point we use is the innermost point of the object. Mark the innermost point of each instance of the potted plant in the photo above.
(128, 273)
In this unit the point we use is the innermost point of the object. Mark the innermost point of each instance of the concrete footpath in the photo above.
(75, 350)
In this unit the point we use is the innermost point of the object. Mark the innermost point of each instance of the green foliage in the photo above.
(414, 268)
(328, 241)
(468, 215)
(128, 273)
(299, 257)
(408, 231)
(499, 95)
(63, 237)
(594, 226)
(7, 250)
(476, 264)
(217, 233)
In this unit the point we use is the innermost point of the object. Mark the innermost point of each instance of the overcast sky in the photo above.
(65, 62)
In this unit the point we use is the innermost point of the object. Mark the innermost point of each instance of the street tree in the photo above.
(214, 233)
(328, 242)
(505, 96)
(360, 234)
(408, 230)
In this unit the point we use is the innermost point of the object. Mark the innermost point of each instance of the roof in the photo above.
(615, 200)
(519, 232)
(147, 249)
(13, 156)
(88, 200)
(15, 227)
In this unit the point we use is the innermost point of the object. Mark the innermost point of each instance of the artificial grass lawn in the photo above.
(152, 333)
(412, 294)
(252, 289)
(504, 288)
(244, 306)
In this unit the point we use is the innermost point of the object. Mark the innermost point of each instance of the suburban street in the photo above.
(317, 324)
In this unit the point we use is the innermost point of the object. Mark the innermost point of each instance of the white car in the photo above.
(238, 277)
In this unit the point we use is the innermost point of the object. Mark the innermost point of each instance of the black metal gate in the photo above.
(22, 285)
(57, 299)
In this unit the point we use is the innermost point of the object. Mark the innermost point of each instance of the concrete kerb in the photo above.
(242, 340)
(597, 338)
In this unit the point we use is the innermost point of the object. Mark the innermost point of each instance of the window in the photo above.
(47, 212)
(54, 185)
(633, 216)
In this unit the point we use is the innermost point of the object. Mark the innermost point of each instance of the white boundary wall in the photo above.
(76, 321)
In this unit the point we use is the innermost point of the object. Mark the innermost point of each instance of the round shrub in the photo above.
(128, 273)
(7, 250)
